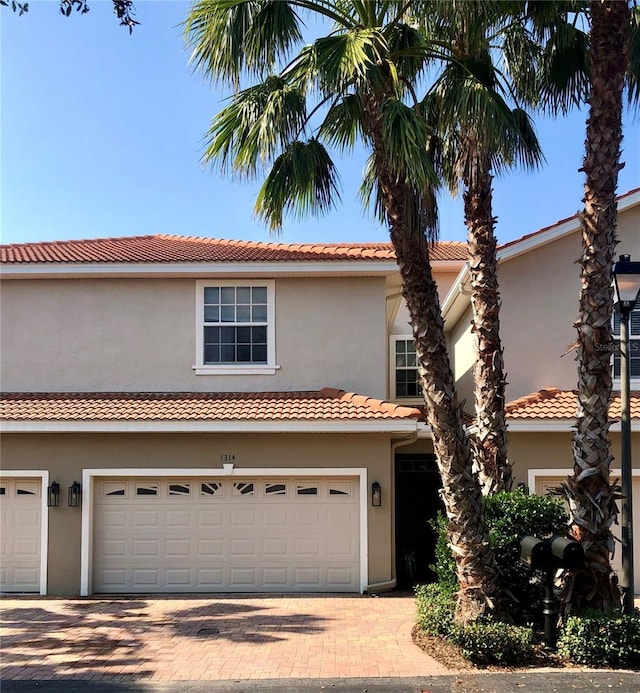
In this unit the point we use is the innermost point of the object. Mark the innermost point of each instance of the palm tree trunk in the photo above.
(490, 440)
(475, 563)
(590, 490)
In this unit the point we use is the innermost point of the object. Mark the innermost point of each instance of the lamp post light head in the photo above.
(626, 283)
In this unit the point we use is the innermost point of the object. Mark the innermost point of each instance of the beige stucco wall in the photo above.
(66, 455)
(544, 450)
(540, 293)
(462, 354)
(139, 335)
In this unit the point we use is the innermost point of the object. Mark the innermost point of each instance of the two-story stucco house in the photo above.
(220, 403)
(198, 415)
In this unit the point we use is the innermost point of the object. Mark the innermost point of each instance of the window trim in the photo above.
(392, 369)
(268, 368)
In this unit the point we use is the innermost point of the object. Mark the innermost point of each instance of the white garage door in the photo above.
(20, 530)
(223, 535)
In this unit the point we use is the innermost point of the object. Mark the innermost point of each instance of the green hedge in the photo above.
(481, 643)
(596, 639)
(494, 643)
(436, 608)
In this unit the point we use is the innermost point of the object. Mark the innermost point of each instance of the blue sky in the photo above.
(102, 136)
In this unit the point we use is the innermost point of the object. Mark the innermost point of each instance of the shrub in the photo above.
(436, 608)
(596, 639)
(511, 515)
(494, 643)
(445, 566)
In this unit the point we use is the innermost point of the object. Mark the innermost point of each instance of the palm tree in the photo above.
(593, 67)
(482, 135)
(361, 74)
(593, 491)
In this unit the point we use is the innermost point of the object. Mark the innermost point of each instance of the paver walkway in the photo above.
(216, 638)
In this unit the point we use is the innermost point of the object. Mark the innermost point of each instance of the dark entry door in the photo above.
(417, 503)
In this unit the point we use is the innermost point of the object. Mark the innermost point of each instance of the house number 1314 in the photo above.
(227, 458)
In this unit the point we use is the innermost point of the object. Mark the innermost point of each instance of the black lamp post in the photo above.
(626, 286)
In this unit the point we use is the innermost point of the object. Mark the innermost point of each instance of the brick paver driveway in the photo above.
(212, 638)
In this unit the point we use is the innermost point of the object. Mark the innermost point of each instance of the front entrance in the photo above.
(417, 503)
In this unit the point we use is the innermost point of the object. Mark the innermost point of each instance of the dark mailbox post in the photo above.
(549, 555)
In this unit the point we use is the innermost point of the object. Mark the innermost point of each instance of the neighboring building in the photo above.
(230, 409)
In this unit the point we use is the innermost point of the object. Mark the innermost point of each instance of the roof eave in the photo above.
(68, 270)
(390, 426)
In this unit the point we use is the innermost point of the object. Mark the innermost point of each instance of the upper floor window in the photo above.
(405, 381)
(634, 344)
(235, 327)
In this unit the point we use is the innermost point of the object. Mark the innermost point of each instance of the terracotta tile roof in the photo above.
(326, 404)
(620, 198)
(553, 403)
(165, 249)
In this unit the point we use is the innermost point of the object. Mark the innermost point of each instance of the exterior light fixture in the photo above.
(626, 289)
(53, 495)
(75, 495)
(376, 494)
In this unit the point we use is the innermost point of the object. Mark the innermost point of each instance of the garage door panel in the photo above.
(274, 547)
(210, 578)
(178, 577)
(179, 519)
(240, 535)
(210, 518)
(210, 547)
(275, 577)
(275, 517)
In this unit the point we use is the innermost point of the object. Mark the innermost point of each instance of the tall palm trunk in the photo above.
(490, 440)
(468, 536)
(590, 490)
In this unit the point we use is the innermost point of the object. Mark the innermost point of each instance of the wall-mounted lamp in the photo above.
(75, 495)
(376, 494)
(53, 494)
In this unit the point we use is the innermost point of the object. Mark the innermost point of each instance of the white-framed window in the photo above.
(405, 383)
(235, 327)
(634, 345)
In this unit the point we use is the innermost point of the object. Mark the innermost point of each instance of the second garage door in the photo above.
(20, 534)
(223, 535)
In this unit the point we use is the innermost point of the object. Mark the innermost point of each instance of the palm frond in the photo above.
(303, 180)
(344, 123)
(255, 126)
(564, 70)
(521, 144)
(350, 58)
(228, 37)
(521, 54)
(406, 141)
(470, 110)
